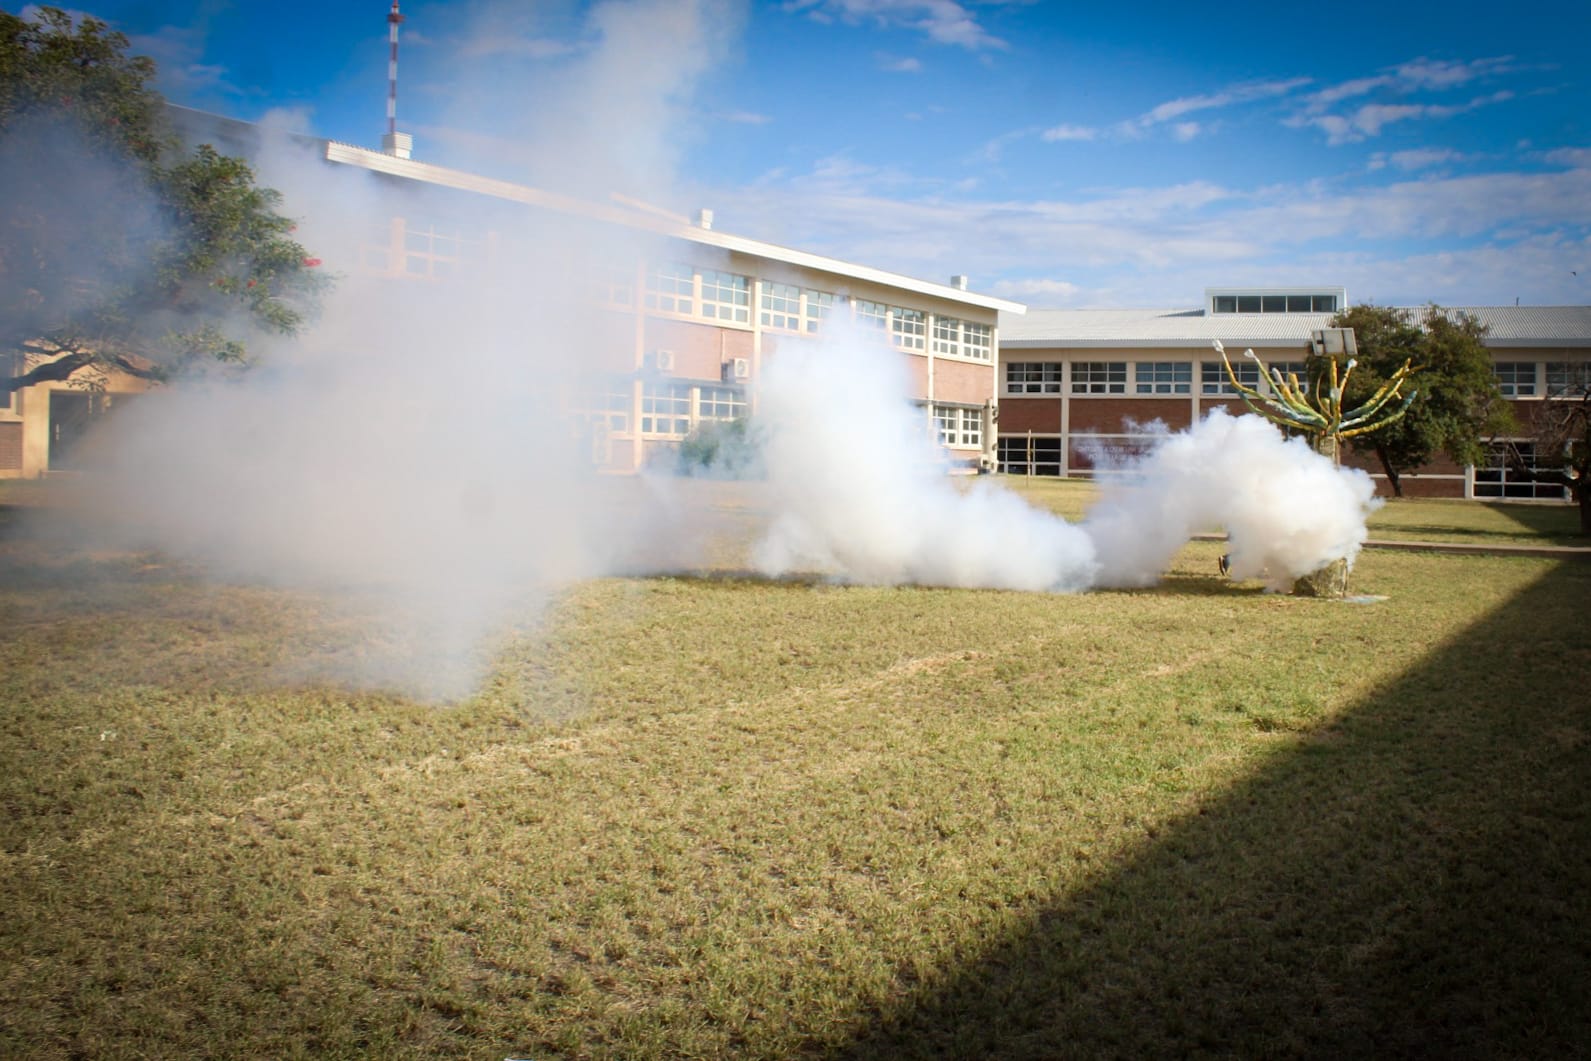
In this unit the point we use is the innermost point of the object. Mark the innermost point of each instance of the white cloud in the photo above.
(1162, 245)
(1054, 294)
(1246, 92)
(1064, 132)
(179, 73)
(893, 64)
(1423, 158)
(490, 44)
(1573, 157)
(744, 118)
(1371, 118)
(942, 21)
(1435, 73)
(1396, 92)
(1185, 131)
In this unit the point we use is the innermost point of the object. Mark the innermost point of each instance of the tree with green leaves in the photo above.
(118, 250)
(1458, 407)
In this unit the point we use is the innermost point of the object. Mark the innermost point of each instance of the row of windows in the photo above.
(674, 287)
(1275, 304)
(427, 250)
(788, 308)
(667, 408)
(1148, 377)
(1521, 379)
(1501, 477)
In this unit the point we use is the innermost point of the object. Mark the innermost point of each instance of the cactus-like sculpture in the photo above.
(1317, 412)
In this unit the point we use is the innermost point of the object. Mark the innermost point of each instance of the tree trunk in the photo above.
(1393, 479)
(1330, 581)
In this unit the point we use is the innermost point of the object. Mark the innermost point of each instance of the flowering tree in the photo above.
(117, 249)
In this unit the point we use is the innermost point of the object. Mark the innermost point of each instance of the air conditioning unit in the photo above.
(663, 361)
(738, 368)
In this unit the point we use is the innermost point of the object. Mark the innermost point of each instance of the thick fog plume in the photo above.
(410, 457)
(859, 489)
(1287, 510)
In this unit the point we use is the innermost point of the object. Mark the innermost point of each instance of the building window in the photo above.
(431, 251)
(1515, 379)
(1029, 455)
(609, 408)
(1033, 377)
(816, 306)
(1099, 377)
(959, 338)
(781, 307)
(1163, 377)
(909, 327)
(670, 288)
(726, 296)
(872, 314)
(977, 340)
(1213, 379)
(721, 403)
(959, 425)
(1263, 303)
(1568, 378)
(1497, 478)
(666, 409)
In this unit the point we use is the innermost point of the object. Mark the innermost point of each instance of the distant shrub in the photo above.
(720, 449)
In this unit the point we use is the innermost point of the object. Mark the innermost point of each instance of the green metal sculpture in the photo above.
(1317, 412)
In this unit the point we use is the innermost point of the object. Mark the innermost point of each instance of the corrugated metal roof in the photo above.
(1517, 326)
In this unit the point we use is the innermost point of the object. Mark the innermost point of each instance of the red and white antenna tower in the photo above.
(394, 142)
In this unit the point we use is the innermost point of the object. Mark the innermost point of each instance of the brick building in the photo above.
(1073, 381)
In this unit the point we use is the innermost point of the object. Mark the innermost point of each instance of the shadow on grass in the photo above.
(1414, 880)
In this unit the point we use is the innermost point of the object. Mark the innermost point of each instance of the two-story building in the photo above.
(676, 317)
(1075, 383)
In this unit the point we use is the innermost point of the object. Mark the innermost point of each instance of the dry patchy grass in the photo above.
(713, 816)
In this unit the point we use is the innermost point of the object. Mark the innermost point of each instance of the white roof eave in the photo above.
(380, 162)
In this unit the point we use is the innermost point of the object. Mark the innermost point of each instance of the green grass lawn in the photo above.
(1399, 519)
(720, 817)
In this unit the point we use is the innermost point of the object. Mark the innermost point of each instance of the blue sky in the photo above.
(1060, 154)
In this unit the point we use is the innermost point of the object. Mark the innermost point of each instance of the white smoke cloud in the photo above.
(410, 456)
(859, 487)
(857, 491)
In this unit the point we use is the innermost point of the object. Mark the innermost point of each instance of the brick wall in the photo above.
(11, 445)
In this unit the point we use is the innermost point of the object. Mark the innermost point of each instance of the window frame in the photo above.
(1151, 383)
(1112, 381)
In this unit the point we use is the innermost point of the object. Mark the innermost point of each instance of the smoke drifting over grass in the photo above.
(858, 490)
(410, 455)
